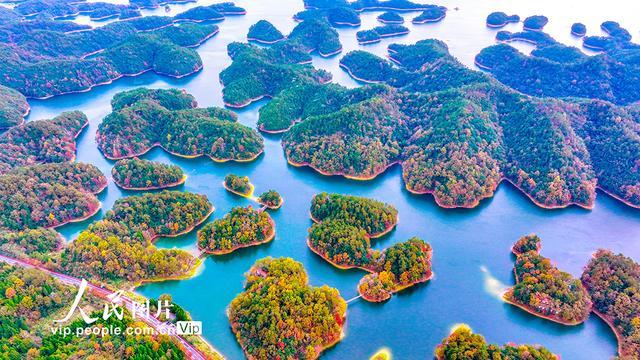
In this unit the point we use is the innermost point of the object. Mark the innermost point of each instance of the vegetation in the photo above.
(49, 195)
(264, 32)
(41, 141)
(390, 17)
(270, 199)
(336, 16)
(279, 315)
(375, 217)
(144, 174)
(242, 227)
(144, 118)
(166, 213)
(499, 19)
(464, 344)
(343, 235)
(13, 107)
(238, 184)
(543, 290)
(613, 281)
(376, 34)
(33, 244)
(579, 29)
(433, 13)
(535, 23)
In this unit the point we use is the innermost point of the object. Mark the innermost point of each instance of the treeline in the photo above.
(543, 289)
(242, 227)
(49, 195)
(464, 344)
(271, 199)
(144, 118)
(31, 244)
(279, 315)
(144, 174)
(13, 107)
(613, 281)
(238, 184)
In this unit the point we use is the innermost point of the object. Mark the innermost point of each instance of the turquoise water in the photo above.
(471, 262)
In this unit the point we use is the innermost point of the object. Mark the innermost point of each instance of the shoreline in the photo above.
(616, 197)
(267, 239)
(271, 207)
(605, 318)
(248, 195)
(170, 185)
(348, 70)
(247, 102)
(505, 298)
(425, 21)
(265, 42)
(154, 145)
(91, 214)
(351, 177)
(371, 236)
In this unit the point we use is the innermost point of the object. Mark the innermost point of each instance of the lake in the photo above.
(472, 261)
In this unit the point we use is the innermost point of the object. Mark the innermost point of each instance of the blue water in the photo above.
(472, 262)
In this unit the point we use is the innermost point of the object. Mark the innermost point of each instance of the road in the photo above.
(191, 352)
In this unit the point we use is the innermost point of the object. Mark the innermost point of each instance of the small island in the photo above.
(535, 23)
(378, 33)
(295, 320)
(543, 290)
(499, 19)
(464, 344)
(390, 17)
(271, 199)
(342, 236)
(578, 29)
(613, 282)
(145, 118)
(162, 214)
(264, 32)
(240, 228)
(13, 107)
(433, 14)
(239, 185)
(140, 174)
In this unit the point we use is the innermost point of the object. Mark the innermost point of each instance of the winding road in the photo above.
(191, 352)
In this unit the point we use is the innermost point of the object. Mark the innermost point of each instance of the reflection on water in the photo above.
(466, 242)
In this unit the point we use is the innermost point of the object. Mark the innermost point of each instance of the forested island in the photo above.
(238, 185)
(535, 23)
(240, 228)
(499, 19)
(60, 57)
(163, 214)
(390, 17)
(342, 235)
(464, 344)
(265, 33)
(13, 107)
(145, 118)
(293, 319)
(578, 29)
(41, 141)
(432, 14)
(140, 174)
(379, 32)
(271, 199)
(543, 290)
(49, 195)
(613, 281)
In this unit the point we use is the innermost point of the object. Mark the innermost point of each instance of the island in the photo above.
(271, 199)
(342, 236)
(336, 16)
(462, 343)
(242, 227)
(264, 32)
(200, 14)
(52, 195)
(535, 23)
(613, 282)
(140, 174)
(543, 290)
(145, 118)
(162, 214)
(296, 320)
(499, 19)
(41, 141)
(390, 17)
(13, 107)
(239, 185)
(433, 14)
(379, 32)
(578, 29)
